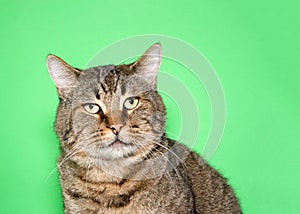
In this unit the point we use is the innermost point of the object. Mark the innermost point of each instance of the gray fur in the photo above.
(134, 169)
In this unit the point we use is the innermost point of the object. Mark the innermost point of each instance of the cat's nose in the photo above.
(116, 128)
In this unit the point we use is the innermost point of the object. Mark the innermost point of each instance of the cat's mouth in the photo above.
(118, 143)
(114, 150)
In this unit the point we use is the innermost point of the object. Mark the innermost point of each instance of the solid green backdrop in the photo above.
(253, 46)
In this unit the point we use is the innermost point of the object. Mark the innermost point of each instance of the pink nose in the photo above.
(116, 128)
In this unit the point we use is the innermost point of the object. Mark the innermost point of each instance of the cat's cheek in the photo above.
(157, 122)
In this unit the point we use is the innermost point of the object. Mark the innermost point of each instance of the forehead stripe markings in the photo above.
(103, 87)
(123, 89)
(117, 82)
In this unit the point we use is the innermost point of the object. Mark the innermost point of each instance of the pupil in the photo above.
(91, 106)
(131, 101)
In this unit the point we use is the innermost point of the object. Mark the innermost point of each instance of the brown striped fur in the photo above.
(118, 160)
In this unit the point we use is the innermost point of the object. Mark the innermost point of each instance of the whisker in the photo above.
(150, 153)
(163, 144)
(165, 147)
(87, 171)
(167, 171)
(70, 154)
(156, 156)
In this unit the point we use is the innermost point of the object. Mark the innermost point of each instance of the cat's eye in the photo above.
(91, 108)
(131, 103)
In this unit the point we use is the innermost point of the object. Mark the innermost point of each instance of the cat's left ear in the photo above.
(148, 64)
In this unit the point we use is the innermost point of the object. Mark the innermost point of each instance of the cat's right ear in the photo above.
(63, 75)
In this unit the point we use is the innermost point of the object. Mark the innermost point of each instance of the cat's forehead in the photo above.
(110, 79)
(98, 73)
(106, 71)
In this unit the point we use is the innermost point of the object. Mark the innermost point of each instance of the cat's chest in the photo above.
(145, 200)
(124, 196)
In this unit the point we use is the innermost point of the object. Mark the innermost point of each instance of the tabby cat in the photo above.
(115, 156)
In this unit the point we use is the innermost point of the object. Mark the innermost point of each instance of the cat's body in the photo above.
(115, 157)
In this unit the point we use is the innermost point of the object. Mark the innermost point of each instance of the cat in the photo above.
(115, 156)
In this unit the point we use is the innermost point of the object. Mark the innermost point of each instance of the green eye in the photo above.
(131, 103)
(91, 108)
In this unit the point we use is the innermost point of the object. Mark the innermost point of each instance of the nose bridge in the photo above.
(117, 117)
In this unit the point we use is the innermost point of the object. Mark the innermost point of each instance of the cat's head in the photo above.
(109, 112)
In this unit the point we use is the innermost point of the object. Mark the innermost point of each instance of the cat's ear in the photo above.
(148, 64)
(63, 75)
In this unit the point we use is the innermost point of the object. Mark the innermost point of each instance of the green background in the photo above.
(254, 47)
